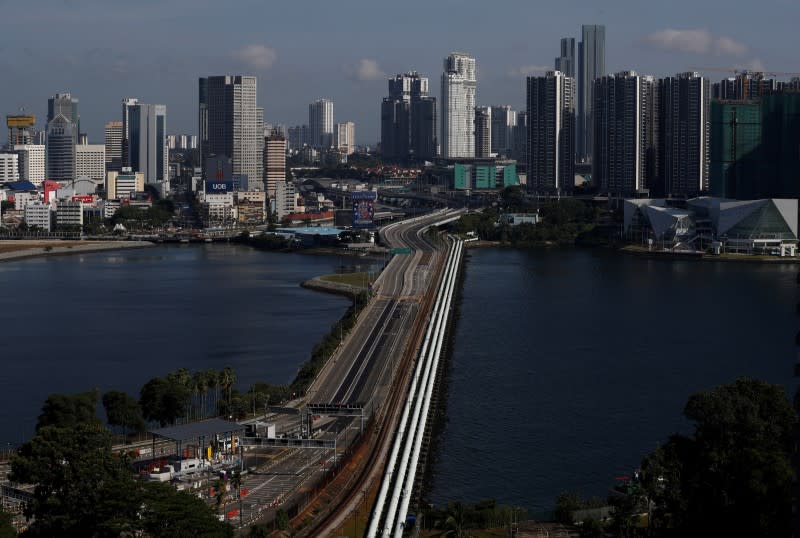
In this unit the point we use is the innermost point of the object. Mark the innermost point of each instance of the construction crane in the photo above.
(755, 73)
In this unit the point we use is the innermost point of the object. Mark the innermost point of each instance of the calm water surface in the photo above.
(113, 320)
(569, 366)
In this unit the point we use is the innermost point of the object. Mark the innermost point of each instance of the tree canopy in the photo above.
(123, 410)
(67, 410)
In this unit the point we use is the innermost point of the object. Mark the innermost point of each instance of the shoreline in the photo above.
(30, 248)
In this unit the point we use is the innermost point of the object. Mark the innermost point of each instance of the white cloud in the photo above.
(529, 71)
(256, 56)
(695, 41)
(368, 70)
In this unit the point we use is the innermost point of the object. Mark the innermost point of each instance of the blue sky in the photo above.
(301, 50)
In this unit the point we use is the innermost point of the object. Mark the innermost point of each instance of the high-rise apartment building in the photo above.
(297, 137)
(684, 137)
(232, 124)
(459, 84)
(565, 62)
(504, 119)
(320, 123)
(734, 150)
(519, 149)
(31, 162)
(345, 137)
(113, 143)
(625, 155)
(144, 140)
(67, 106)
(408, 119)
(90, 161)
(591, 65)
(483, 131)
(551, 133)
(62, 136)
(274, 162)
(9, 166)
(745, 86)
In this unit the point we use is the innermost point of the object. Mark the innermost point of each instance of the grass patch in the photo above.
(357, 280)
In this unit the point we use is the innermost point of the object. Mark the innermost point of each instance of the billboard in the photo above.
(363, 208)
(218, 186)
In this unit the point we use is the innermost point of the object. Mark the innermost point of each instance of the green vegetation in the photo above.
(7, 529)
(563, 221)
(732, 477)
(143, 218)
(266, 241)
(458, 519)
(124, 411)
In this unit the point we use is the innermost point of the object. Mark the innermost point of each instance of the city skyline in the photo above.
(103, 68)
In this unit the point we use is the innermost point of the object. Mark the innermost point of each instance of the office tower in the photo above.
(90, 161)
(565, 62)
(395, 128)
(735, 142)
(591, 65)
(9, 166)
(320, 123)
(684, 136)
(62, 136)
(31, 162)
(65, 105)
(274, 162)
(551, 133)
(20, 129)
(113, 142)
(458, 106)
(144, 140)
(503, 121)
(345, 137)
(232, 123)
(519, 148)
(202, 119)
(423, 144)
(625, 154)
(483, 131)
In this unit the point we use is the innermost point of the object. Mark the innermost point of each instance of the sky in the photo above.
(102, 51)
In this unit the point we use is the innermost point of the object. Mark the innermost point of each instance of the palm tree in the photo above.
(212, 383)
(227, 380)
(455, 521)
(199, 389)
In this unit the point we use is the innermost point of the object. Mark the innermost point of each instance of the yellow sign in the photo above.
(20, 121)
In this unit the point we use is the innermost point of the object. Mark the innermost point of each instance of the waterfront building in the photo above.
(320, 123)
(113, 142)
(274, 162)
(123, 184)
(459, 85)
(9, 166)
(483, 176)
(565, 62)
(780, 143)
(69, 214)
(38, 215)
(285, 199)
(483, 132)
(625, 154)
(62, 136)
(551, 133)
(591, 65)
(345, 137)
(734, 164)
(231, 123)
(684, 137)
(31, 162)
(90, 161)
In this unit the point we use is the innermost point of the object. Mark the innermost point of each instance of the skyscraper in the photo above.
(483, 131)
(408, 119)
(625, 154)
(345, 137)
(62, 136)
(232, 123)
(458, 106)
(565, 62)
(519, 150)
(504, 119)
(320, 122)
(551, 133)
(67, 106)
(113, 141)
(591, 65)
(144, 131)
(685, 124)
(20, 129)
(274, 162)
